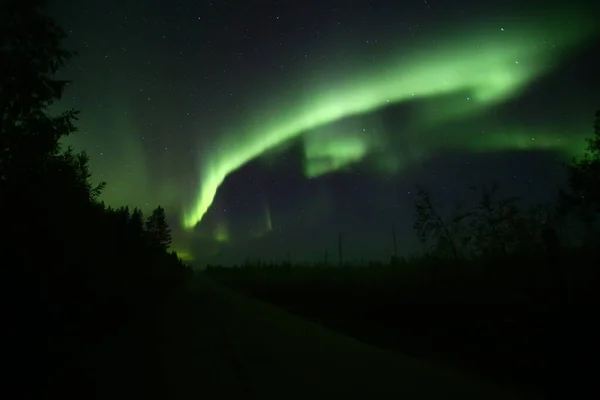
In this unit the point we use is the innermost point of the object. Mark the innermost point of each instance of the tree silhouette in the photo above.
(43, 186)
(582, 199)
(494, 222)
(34, 173)
(584, 173)
(430, 226)
(158, 229)
(30, 56)
(137, 221)
(74, 268)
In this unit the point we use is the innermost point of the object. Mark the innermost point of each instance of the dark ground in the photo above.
(542, 351)
(209, 341)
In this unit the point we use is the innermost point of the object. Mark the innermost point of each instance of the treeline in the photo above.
(73, 269)
(544, 254)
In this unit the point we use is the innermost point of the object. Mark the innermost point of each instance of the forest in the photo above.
(73, 268)
(504, 291)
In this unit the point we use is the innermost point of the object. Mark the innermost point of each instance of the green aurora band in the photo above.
(483, 68)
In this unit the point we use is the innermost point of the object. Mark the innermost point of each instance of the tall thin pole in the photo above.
(340, 247)
(394, 238)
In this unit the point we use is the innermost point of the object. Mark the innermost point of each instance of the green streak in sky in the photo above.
(571, 145)
(326, 152)
(484, 68)
(268, 222)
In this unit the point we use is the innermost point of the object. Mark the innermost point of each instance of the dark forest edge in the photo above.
(74, 269)
(497, 278)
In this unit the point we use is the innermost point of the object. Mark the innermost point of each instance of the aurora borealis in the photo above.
(490, 74)
(266, 128)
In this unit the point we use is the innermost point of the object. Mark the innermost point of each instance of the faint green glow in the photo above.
(124, 159)
(568, 145)
(527, 139)
(268, 222)
(184, 255)
(221, 232)
(329, 152)
(487, 68)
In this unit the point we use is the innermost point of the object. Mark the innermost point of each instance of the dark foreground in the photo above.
(512, 323)
(210, 341)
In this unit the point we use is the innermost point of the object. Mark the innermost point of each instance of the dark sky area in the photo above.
(266, 127)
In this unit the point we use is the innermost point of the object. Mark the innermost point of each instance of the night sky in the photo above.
(264, 128)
